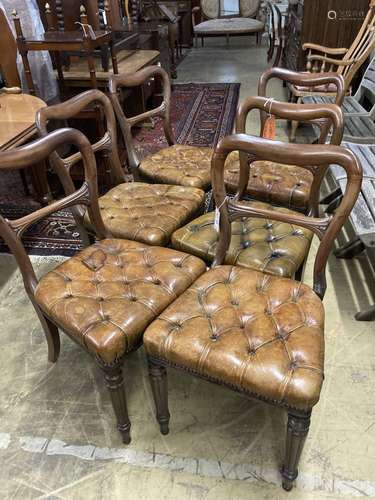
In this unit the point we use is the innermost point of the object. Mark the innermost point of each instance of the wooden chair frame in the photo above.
(325, 228)
(326, 116)
(12, 230)
(116, 83)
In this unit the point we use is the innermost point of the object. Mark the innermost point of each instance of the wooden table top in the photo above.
(17, 118)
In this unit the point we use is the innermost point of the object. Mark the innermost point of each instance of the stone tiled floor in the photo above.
(57, 436)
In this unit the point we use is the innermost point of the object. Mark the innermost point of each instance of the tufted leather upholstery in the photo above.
(148, 213)
(179, 164)
(269, 246)
(106, 295)
(259, 334)
(285, 185)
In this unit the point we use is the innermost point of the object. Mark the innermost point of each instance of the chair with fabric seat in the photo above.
(264, 245)
(148, 213)
(104, 296)
(177, 164)
(259, 335)
(283, 185)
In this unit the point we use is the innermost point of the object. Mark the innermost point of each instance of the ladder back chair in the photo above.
(259, 335)
(148, 213)
(104, 296)
(265, 245)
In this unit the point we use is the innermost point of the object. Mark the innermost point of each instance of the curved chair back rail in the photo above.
(329, 114)
(304, 79)
(117, 82)
(11, 230)
(31, 154)
(106, 145)
(70, 109)
(304, 155)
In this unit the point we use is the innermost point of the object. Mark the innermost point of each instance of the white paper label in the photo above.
(217, 220)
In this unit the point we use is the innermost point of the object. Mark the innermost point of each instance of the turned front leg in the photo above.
(159, 386)
(297, 430)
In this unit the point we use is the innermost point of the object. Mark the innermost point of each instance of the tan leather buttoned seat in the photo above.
(106, 295)
(148, 213)
(273, 247)
(259, 334)
(179, 164)
(285, 185)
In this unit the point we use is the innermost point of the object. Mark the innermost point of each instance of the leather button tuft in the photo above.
(235, 302)
(214, 337)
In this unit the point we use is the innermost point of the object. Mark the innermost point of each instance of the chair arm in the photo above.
(326, 50)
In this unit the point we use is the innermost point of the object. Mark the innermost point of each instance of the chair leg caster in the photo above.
(287, 485)
(287, 479)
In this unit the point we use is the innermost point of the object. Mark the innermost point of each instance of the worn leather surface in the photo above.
(148, 213)
(106, 295)
(286, 185)
(265, 245)
(259, 334)
(179, 164)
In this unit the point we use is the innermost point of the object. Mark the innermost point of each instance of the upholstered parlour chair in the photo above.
(276, 247)
(148, 213)
(177, 164)
(104, 296)
(284, 185)
(259, 335)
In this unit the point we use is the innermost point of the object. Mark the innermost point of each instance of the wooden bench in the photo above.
(362, 217)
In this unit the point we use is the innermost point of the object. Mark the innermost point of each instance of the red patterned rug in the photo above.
(201, 115)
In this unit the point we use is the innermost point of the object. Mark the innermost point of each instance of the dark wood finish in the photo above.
(106, 144)
(325, 228)
(64, 41)
(303, 25)
(159, 387)
(12, 231)
(114, 382)
(181, 9)
(276, 35)
(117, 82)
(8, 56)
(297, 430)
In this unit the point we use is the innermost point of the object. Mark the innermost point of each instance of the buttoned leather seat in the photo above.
(273, 247)
(259, 334)
(106, 295)
(286, 185)
(179, 164)
(148, 213)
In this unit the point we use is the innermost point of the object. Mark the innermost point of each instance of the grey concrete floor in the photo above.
(57, 432)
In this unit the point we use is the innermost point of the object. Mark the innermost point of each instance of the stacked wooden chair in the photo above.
(321, 59)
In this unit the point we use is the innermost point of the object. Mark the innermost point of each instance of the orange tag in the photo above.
(269, 129)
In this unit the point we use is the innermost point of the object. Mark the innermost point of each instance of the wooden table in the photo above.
(17, 126)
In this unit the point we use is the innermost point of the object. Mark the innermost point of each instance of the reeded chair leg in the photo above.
(297, 430)
(52, 335)
(115, 384)
(159, 386)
